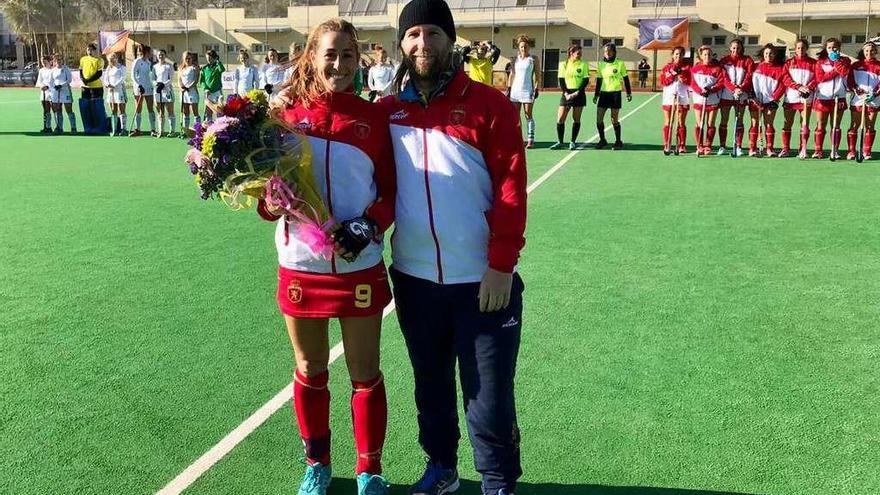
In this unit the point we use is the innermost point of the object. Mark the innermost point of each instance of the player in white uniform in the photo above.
(188, 80)
(163, 72)
(245, 77)
(44, 83)
(114, 80)
(142, 82)
(271, 73)
(60, 94)
(381, 76)
(524, 84)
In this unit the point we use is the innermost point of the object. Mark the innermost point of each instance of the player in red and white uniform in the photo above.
(832, 77)
(767, 88)
(738, 68)
(800, 82)
(707, 80)
(44, 83)
(676, 80)
(353, 164)
(864, 79)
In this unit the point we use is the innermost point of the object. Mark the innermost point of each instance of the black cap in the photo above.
(434, 12)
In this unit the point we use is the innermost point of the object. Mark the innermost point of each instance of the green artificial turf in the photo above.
(692, 326)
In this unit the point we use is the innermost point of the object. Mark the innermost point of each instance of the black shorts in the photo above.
(611, 99)
(579, 100)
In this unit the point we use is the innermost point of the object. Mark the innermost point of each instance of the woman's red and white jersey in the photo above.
(461, 175)
(676, 81)
(739, 74)
(353, 165)
(799, 72)
(865, 76)
(767, 82)
(711, 78)
(832, 78)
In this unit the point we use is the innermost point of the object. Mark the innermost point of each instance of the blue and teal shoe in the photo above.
(316, 480)
(372, 484)
(436, 481)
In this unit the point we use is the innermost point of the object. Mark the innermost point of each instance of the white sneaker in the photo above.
(572, 146)
(738, 152)
(721, 151)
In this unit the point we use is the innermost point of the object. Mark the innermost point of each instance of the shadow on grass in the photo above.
(342, 486)
(41, 134)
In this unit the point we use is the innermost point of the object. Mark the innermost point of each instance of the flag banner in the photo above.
(113, 41)
(658, 34)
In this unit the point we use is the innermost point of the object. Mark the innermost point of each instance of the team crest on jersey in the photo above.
(362, 130)
(399, 115)
(304, 124)
(457, 115)
(294, 291)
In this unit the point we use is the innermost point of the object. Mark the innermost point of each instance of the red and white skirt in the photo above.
(333, 295)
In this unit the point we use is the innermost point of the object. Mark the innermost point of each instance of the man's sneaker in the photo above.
(572, 146)
(557, 145)
(721, 151)
(618, 145)
(372, 484)
(316, 480)
(601, 144)
(530, 144)
(436, 481)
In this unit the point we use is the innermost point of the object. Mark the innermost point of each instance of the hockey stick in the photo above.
(834, 127)
(672, 128)
(704, 118)
(761, 141)
(860, 153)
(805, 129)
(738, 111)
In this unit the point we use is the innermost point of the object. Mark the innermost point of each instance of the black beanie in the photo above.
(434, 12)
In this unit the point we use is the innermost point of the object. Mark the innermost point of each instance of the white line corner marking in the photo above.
(183, 480)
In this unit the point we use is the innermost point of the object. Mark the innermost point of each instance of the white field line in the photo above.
(231, 440)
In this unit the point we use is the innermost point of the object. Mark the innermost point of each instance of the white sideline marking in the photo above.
(230, 441)
(571, 154)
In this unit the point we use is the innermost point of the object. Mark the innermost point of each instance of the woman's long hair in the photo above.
(861, 55)
(304, 83)
(774, 57)
(824, 52)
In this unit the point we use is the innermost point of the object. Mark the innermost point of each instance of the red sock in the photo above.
(682, 136)
(722, 135)
(770, 136)
(697, 135)
(753, 138)
(311, 402)
(869, 141)
(710, 136)
(738, 135)
(805, 137)
(786, 139)
(835, 139)
(666, 136)
(369, 416)
(819, 139)
(851, 138)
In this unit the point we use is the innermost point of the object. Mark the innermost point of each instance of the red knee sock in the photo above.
(722, 135)
(682, 136)
(805, 137)
(753, 138)
(311, 402)
(851, 138)
(710, 136)
(697, 137)
(819, 139)
(786, 139)
(835, 139)
(666, 136)
(770, 136)
(369, 416)
(738, 135)
(869, 141)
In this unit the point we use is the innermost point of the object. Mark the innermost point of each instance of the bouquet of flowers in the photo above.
(248, 155)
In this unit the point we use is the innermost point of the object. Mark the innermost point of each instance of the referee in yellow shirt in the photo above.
(482, 61)
(574, 76)
(610, 79)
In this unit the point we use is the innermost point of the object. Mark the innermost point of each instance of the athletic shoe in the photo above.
(618, 145)
(783, 153)
(504, 491)
(851, 155)
(769, 153)
(530, 144)
(682, 150)
(667, 151)
(171, 134)
(738, 151)
(721, 151)
(154, 134)
(46, 130)
(601, 144)
(867, 156)
(59, 130)
(436, 481)
(834, 155)
(802, 155)
(818, 155)
(557, 145)
(753, 153)
(572, 146)
(134, 133)
(372, 484)
(315, 480)
(73, 131)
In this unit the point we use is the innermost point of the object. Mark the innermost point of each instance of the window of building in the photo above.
(258, 48)
(751, 40)
(719, 40)
(581, 42)
(848, 39)
(616, 41)
(171, 49)
(205, 48)
(815, 40)
(233, 48)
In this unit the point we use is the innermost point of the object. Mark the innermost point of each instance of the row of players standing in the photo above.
(803, 84)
